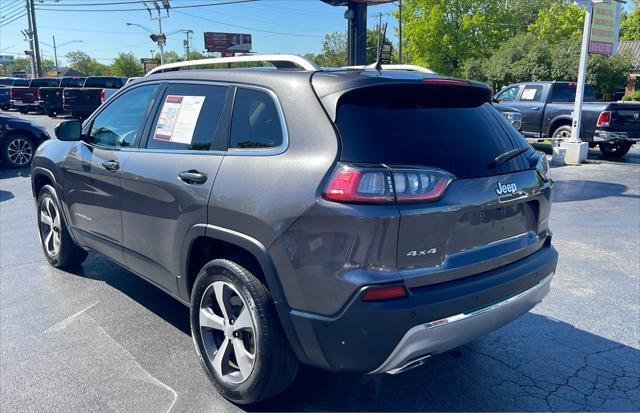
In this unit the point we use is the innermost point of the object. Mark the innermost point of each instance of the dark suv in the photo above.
(354, 220)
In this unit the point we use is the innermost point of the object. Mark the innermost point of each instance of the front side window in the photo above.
(188, 117)
(119, 123)
(509, 95)
(532, 93)
(256, 122)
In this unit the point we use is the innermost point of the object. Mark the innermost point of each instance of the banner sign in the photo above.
(227, 42)
(603, 28)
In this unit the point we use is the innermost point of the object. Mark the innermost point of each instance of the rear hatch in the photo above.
(81, 97)
(459, 214)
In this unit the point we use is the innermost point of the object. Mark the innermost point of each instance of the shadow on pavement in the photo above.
(536, 364)
(13, 173)
(584, 190)
(5, 195)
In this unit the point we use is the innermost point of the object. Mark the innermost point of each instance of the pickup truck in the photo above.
(27, 98)
(81, 102)
(546, 109)
(51, 97)
(5, 85)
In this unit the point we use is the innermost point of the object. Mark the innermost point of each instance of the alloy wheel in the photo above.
(20, 151)
(50, 226)
(228, 332)
(561, 136)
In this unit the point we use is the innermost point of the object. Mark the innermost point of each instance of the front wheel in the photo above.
(237, 334)
(614, 149)
(57, 244)
(17, 151)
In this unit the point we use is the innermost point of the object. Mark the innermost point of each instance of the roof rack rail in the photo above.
(408, 68)
(280, 61)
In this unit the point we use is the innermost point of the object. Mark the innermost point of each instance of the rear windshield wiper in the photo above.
(506, 157)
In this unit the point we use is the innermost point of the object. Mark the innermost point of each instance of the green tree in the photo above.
(169, 57)
(630, 25)
(608, 74)
(559, 22)
(334, 49)
(127, 65)
(20, 64)
(84, 63)
(195, 55)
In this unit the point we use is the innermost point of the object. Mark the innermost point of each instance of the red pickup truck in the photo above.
(27, 98)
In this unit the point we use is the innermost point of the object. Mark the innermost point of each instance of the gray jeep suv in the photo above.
(354, 220)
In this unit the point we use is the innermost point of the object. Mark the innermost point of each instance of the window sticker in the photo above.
(178, 118)
(529, 94)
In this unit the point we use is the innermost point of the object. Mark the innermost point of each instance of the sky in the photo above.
(277, 26)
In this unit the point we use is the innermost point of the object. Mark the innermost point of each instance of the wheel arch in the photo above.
(556, 123)
(39, 178)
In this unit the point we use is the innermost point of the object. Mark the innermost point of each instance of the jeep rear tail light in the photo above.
(382, 185)
(604, 120)
(102, 95)
(384, 293)
(37, 94)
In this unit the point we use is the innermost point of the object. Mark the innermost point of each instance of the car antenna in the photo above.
(378, 63)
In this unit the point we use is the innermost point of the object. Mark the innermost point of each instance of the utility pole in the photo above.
(159, 38)
(36, 45)
(356, 15)
(187, 43)
(28, 36)
(400, 31)
(55, 54)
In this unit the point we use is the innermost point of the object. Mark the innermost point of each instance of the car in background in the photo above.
(51, 97)
(19, 139)
(82, 101)
(27, 98)
(19, 75)
(546, 109)
(513, 115)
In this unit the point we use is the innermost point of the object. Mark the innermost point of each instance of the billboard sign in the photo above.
(603, 28)
(6, 59)
(227, 42)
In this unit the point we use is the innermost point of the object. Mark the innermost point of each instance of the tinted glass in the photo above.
(531, 93)
(566, 92)
(5, 82)
(119, 123)
(256, 121)
(20, 82)
(104, 82)
(44, 83)
(509, 94)
(188, 117)
(425, 126)
(72, 81)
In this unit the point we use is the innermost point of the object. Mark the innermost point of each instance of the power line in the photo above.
(13, 20)
(15, 7)
(50, 7)
(6, 17)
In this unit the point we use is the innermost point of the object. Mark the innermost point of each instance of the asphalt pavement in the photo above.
(101, 339)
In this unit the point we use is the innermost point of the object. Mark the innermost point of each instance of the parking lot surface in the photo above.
(99, 338)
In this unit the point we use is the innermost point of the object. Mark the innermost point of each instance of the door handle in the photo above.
(535, 108)
(111, 165)
(192, 177)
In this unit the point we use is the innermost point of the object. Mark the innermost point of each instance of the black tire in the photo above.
(560, 134)
(614, 150)
(23, 111)
(17, 151)
(51, 113)
(68, 253)
(275, 365)
(5, 108)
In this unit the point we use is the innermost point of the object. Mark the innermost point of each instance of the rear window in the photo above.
(44, 83)
(72, 82)
(20, 82)
(5, 82)
(566, 92)
(455, 130)
(104, 82)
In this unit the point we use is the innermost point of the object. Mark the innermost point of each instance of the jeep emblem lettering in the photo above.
(504, 189)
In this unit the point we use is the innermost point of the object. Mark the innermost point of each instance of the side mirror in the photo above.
(70, 130)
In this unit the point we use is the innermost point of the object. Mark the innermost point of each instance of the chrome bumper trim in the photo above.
(606, 136)
(451, 332)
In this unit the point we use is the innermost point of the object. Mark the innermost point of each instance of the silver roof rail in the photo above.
(280, 61)
(408, 68)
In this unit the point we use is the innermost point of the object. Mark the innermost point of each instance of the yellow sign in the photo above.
(603, 28)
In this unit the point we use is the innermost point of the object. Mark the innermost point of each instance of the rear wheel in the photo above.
(614, 149)
(17, 151)
(560, 135)
(57, 244)
(237, 334)
(23, 111)
(52, 113)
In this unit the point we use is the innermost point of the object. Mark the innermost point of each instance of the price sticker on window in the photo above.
(178, 118)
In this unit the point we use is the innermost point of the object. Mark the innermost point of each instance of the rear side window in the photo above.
(256, 121)
(188, 117)
(20, 82)
(72, 82)
(5, 82)
(425, 126)
(44, 83)
(566, 92)
(104, 82)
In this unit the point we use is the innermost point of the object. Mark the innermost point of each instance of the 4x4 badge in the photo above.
(504, 189)
(423, 252)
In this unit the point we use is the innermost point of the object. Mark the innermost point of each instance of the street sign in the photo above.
(6, 59)
(227, 42)
(149, 66)
(385, 57)
(603, 28)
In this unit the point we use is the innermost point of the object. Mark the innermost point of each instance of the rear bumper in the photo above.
(30, 104)
(80, 108)
(607, 136)
(388, 336)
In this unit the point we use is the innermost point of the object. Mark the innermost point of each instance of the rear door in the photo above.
(168, 180)
(93, 170)
(487, 217)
